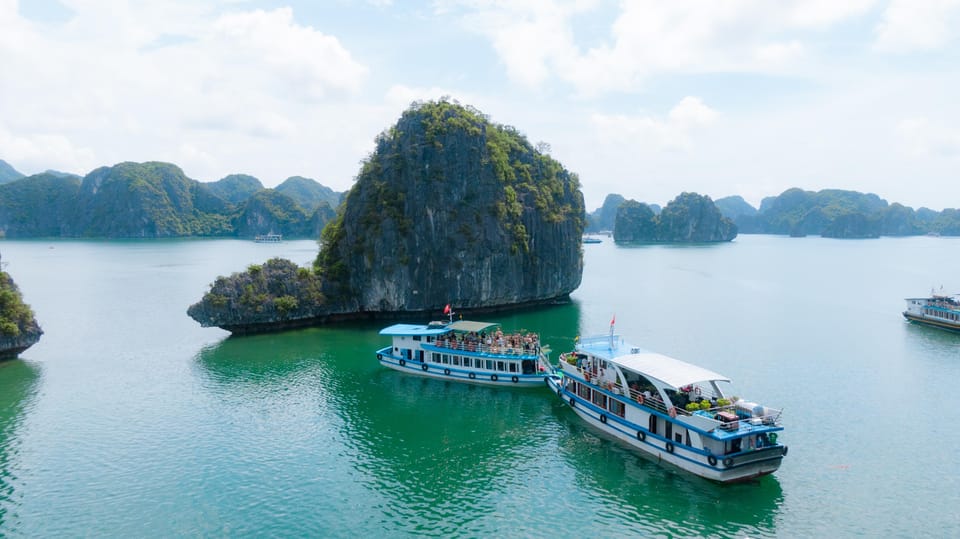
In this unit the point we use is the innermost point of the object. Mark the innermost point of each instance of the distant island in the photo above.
(156, 200)
(830, 213)
(449, 208)
(689, 218)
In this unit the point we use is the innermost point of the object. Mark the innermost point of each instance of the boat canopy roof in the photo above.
(466, 326)
(668, 370)
(397, 330)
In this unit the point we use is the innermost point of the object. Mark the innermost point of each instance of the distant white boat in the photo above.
(268, 238)
(938, 310)
(591, 239)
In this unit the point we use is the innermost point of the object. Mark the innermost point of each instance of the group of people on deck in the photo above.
(496, 342)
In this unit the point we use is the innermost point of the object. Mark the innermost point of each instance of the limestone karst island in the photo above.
(449, 208)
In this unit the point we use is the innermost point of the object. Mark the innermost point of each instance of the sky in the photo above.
(646, 99)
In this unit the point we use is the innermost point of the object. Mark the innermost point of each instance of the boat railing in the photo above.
(744, 411)
(532, 349)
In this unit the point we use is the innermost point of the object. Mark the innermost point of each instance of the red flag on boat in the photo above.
(614, 319)
(446, 310)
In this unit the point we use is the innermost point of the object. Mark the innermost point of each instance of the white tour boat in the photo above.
(938, 310)
(466, 351)
(674, 411)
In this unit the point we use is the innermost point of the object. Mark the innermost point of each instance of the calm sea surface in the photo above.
(130, 420)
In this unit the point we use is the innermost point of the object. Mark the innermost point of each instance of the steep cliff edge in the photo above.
(19, 329)
(451, 208)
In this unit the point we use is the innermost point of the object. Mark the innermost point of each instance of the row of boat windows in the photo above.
(600, 399)
(941, 314)
(614, 406)
(488, 364)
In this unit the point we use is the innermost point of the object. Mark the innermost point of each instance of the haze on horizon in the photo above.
(644, 99)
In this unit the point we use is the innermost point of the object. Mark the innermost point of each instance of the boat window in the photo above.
(446, 359)
(583, 390)
(500, 366)
(436, 357)
(617, 407)
(456, 360)
(489, 364)
(416, 337)
(513, 366)
(600, 399)
(467, 362)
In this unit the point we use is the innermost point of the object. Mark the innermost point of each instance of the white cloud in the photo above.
(645, 133)
(536, 41)
(776, 54)
(923, 138)
(148, 80)
(917, 25)
(42, 151)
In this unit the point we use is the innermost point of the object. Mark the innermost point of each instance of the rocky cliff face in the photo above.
(451, 208)
(19, 329)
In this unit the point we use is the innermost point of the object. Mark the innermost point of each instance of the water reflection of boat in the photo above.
(939, 311)
(466, 351)
(629, 495)
(671, 410)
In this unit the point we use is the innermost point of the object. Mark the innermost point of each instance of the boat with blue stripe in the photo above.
(467, 351)
(939, 311)
(672, 411)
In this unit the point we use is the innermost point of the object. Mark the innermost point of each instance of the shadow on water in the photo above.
(627, 489)
(18, 388)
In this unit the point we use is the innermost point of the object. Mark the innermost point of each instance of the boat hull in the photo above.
(931, 322)
(459, 374)
(722, 469)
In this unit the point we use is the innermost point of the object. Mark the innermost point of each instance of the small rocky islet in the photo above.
(19, 329)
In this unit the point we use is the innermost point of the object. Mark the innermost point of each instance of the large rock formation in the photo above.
(19, 329)
(449, 208)
(689, 218)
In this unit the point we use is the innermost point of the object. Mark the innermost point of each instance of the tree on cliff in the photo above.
(453, 208)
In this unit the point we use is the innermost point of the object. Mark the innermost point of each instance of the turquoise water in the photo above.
(129, 419)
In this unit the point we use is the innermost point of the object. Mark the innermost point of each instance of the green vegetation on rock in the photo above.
(18, 327)
(275, 294)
